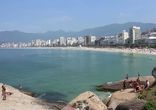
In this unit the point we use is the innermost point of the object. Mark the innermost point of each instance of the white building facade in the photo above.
(150, 38)
(62, 41)
(134, 34)
(123, 37)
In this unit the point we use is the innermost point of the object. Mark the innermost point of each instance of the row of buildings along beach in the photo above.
(133, 37)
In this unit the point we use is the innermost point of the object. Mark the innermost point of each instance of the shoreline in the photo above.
(144, 51)
(117, 98)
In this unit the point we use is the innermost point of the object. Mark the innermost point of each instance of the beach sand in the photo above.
(145, 51)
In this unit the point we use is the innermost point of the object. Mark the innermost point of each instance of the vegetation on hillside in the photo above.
(150, 96)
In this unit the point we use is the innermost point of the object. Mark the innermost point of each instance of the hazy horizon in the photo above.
(73, 30)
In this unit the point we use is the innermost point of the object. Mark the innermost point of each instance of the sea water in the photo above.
(57, 74)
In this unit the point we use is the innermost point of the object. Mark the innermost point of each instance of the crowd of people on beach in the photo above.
(139, 50)
(138, 85)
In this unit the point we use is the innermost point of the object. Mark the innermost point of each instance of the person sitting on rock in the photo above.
(138, 80)
(135, 85)
(147, 84)
(131, 84)
(137, 88)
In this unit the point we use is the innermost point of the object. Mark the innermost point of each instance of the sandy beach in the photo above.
(145, 51)
(130, 51)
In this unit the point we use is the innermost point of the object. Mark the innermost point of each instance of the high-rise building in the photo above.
(89, 40)
(62, 41)
(48, 43)
(149, 38)
(93, 38)
(55, 42)
(71, 41)
(80, 40)
(123, 37)
(134, 34)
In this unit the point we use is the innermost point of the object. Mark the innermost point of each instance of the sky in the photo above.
(72, 15)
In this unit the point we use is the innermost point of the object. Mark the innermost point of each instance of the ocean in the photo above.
(57, 75)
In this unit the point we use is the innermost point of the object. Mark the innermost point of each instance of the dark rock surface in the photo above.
(86, 101)
(131, 105)
(54, 105)
(154, 72)
(119, 84)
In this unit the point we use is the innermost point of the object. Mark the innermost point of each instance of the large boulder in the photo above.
(131, 105)
(121, 97)
(20, 101)
(154, 72)
(86, 101)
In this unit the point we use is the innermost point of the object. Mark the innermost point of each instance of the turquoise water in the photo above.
(64, 74)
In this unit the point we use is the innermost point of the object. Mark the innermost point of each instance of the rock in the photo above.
(121, 97)
(27, 92)
(151, 79)
(20, 101)
(54, 105)
(131, 105)
(154, 72)
(110, 86)
(119, 84)
(88, 100)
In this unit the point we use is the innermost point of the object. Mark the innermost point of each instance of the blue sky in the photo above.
(47, 15)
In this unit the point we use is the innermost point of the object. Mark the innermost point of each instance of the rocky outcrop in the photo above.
(86, 101)
(121, 97)
(154, 72)
(119, 84)
(131, 105)
(20, 101)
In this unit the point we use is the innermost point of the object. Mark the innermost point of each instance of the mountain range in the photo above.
(107, 30)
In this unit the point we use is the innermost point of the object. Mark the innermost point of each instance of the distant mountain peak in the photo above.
(111, 29)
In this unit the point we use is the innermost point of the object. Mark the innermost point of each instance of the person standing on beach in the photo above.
(3, 92)
(138, 79)
(126, 76)
(138, 75)
(124, 84)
